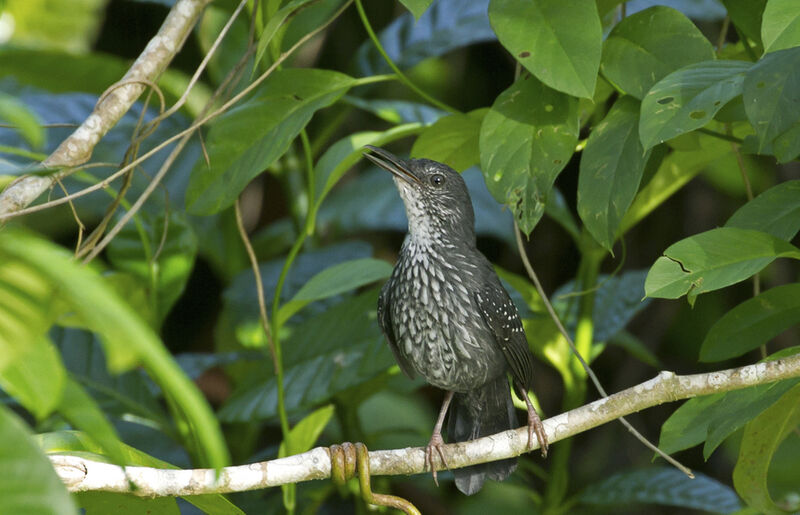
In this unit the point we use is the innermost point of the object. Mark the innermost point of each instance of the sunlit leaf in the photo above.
(305, 433)
(452, 140)
(780, 25)
(558, 42)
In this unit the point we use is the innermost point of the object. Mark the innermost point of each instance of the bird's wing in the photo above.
(500, 315)
(385, 321)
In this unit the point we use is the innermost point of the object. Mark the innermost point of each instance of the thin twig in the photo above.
(589, 371)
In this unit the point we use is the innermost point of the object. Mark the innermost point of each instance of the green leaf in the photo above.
(78, 443)
(560, 43)
(647, 46)
(14, 112)
(688, 98)
(160, 254)
(771, 104)
(753, 323)
(712, 260)
(28, 483)
(526, 139)
(662, 485)
(452, 140)
(337, 279)
(611, 167)
(397, 111)
(275, 22)
(127, 339)
(761, 439)
(746, 16)
(776, 211)
(780, 25)
(688, 425)
(303, 435)
(417, 7)
(101, 503)
(315, 369)
(253, 135)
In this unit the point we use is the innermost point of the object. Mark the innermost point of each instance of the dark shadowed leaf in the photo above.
(649, 45)
(746, 16)
(780, 25)
(688, 98)
(101, 503)
(712, 260)
(662, 485)
(445, 26)
(558, 42)
(397, 111)
(771, 102)
(611, 167)
(526, 139)
(452, 140)
(253, 135)
(28, 483)
(761, 439)
(776, 211)
(753, 323)
(15, 113)
(688, 425)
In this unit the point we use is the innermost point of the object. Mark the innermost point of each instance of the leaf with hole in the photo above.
(526, 139)
(560, 43)
(688, 99)
(649, 45)
(712, 260)
(610, 170)
(772, 104)
(253, 135)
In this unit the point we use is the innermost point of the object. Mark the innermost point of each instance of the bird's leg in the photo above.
(534, 423)
(436, 441)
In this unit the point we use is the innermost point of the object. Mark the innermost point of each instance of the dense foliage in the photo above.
(648, 149)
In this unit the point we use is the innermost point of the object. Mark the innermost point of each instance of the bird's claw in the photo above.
(535, 425)
(436, 443)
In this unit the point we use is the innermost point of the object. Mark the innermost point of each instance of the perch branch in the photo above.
(80, 474)
(78, 147)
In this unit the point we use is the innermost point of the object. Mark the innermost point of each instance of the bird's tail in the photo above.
(482, 412)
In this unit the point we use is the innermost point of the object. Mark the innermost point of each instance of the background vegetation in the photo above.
(648, 148)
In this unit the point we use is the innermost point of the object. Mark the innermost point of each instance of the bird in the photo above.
(447, 318)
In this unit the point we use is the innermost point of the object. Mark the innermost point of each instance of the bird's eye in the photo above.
(437, 179)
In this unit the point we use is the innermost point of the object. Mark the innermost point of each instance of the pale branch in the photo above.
(80, 474)
(77, 148)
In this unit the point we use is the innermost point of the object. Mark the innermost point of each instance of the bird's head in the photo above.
(437, 202)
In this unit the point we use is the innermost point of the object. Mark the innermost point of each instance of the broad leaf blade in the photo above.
(712, 260)
(558, 42)
(780, 25)
(28, 483)
(776, 211)
(452, 140)
(688, 98)
(252, 136)
(647, 46)
(305, 433)
(611, 167)
(526, 139)
(771, 102)
(753, 323)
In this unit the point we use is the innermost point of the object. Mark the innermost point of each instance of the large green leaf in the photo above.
(558, 42)
(712, 260)
(662, 485)
(647, 46)
(771, 102)
(452, 140)
(753, 323)
(337, 279)
(338, 349)
(761, 439)
(78, 443)
(611, 168)
(688, 98)
(28, 483)
(127, 339)
(160, 253)
(253, 135)
(688, 425)
(780, 25)
(776, 211)
(526, 139)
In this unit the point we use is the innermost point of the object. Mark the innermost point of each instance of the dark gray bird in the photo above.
(447, 318)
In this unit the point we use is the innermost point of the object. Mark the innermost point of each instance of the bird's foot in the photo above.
(535, 425)
(436, 444)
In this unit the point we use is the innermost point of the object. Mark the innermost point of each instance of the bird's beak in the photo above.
(391, 163)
